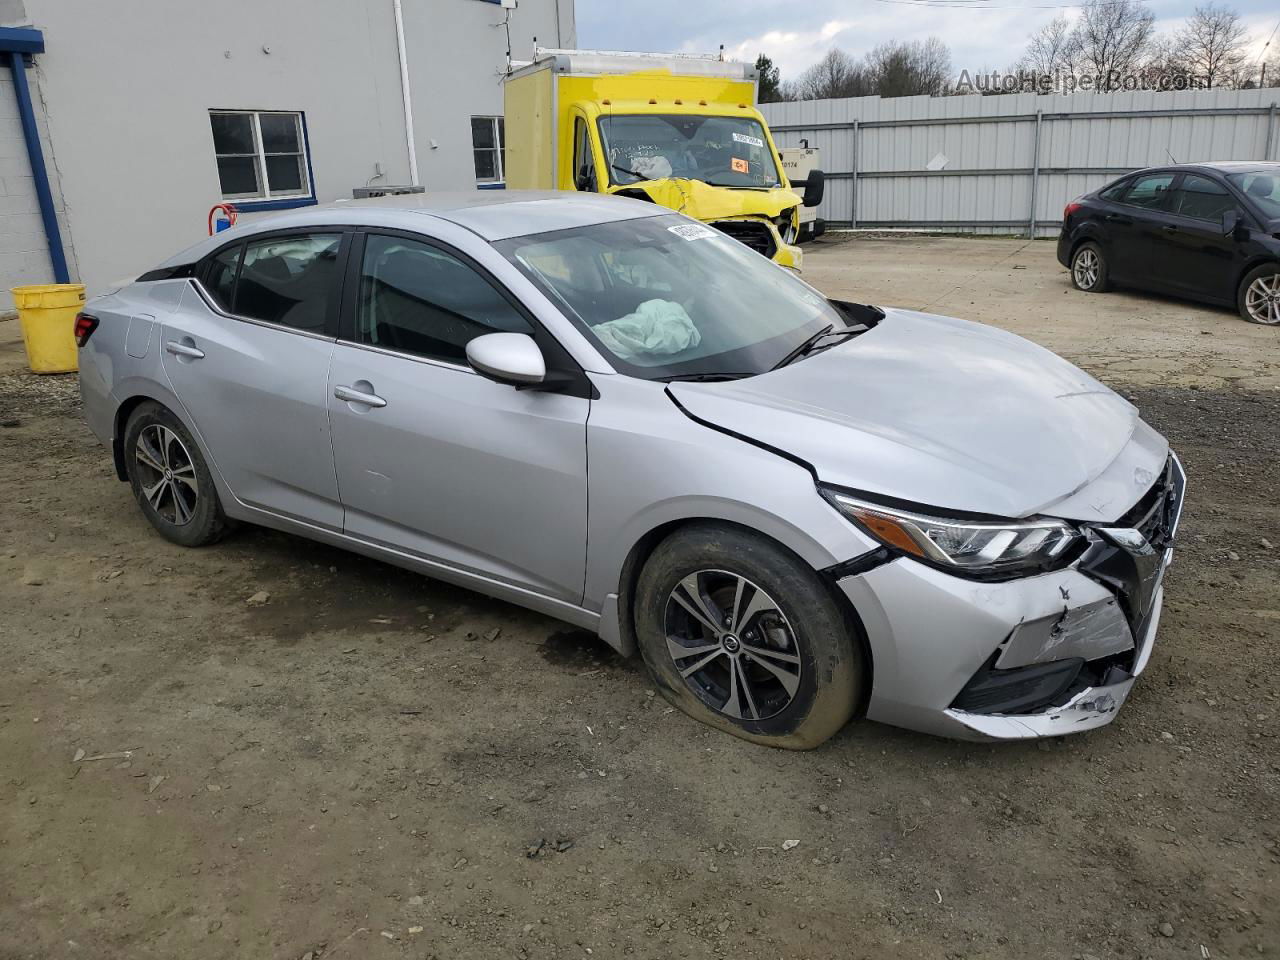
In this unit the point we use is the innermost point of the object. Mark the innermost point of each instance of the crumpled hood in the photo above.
(705, 202)
(950, 414)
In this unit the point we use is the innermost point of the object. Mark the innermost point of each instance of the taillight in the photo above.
(1071, 208)
(85, 325)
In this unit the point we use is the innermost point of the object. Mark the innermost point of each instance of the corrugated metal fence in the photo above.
(973, 164)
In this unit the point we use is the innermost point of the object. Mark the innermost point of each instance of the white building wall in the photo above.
(24, 254)
(128, 89)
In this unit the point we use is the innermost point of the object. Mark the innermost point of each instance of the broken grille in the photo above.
(753, 233)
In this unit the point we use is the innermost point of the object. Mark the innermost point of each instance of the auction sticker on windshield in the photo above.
(745, 138)
(692, 231)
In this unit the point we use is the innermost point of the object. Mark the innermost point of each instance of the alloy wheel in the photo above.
(1086, 269)
(166, 474)
(732, 644)
(1262, 299)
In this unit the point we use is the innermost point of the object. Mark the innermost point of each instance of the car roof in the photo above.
(493, 214)
(490, 214)
(1221, 166)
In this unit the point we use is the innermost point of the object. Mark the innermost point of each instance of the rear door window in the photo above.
(1202, 199)
(289, 280)
(1150, 193)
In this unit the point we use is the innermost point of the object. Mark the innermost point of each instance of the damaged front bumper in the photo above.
(1040, 656)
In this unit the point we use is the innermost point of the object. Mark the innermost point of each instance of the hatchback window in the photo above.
(1203, 199)
(288, 280)
(418, 299)
(1150, 192)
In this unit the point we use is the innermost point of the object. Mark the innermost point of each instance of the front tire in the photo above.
(170, 479)
(1258, 298)
(1089, 269)
(743, 636)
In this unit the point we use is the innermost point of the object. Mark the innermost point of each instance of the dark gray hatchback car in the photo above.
(1208, 231)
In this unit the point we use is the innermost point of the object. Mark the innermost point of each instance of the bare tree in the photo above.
(1212, 45)
(1113, 37)
(835, 75)
(1051, 48)
(909, 68)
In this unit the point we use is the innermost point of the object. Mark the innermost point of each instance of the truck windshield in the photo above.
(666, 297)
(722, 151)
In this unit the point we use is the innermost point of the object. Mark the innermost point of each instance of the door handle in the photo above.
(1169, 228)
(352, 395)
(1117, 218)
(184, 350)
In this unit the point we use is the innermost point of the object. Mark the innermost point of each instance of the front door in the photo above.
(434, 459)
(248, 357)
(1203, 261)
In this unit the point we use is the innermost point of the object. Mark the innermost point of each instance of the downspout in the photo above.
(17, 42)
(405, 95)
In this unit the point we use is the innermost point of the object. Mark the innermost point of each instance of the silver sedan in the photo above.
(796, 509)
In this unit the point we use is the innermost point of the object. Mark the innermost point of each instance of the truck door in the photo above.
(585, 176)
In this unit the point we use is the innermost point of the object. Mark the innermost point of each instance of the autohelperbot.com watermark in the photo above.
(1070, 81)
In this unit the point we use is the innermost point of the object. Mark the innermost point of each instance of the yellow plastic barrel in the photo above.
(47, 312)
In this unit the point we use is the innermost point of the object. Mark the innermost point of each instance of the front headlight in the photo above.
(979, 548)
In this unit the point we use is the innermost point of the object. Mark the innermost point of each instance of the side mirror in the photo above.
(511, 358)
(1230, 222)
(814, 188)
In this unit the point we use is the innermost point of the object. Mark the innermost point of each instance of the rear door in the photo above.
(1135, 225)
(248, 356)
(434, 459)
(1202, 261)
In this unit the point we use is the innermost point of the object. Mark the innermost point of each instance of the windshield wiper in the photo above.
(810, 344)
(703, 377)
(638, 176)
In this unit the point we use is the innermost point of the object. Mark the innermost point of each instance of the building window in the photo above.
(262, 155)
(489, 140)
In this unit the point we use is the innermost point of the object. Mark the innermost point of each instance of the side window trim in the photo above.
(334, 305)
(558, 358)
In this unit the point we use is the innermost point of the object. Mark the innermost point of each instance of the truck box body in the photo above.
(564, 110)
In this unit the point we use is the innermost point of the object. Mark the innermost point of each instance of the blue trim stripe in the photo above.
(21, 40)
(491, 186)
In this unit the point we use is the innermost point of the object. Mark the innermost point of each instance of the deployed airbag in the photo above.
(657, 328)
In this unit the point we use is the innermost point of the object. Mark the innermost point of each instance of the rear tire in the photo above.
(1258, 298)
(1089, 269)
(170, 479)
(773, 657)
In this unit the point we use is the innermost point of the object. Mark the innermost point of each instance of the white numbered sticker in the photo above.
(753, 141)
(692, 231)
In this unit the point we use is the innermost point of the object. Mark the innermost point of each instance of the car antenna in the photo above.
(1171, 157)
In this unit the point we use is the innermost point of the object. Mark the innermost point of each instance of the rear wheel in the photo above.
(1259, 296)
(170, 479)
(743, 636)
(1089, 269)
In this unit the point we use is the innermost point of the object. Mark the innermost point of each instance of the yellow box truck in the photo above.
(679, 130)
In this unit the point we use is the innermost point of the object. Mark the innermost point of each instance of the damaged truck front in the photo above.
(680, 131)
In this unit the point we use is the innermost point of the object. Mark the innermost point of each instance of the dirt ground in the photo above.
(373, 764)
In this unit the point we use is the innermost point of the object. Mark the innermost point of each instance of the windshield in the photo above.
(1263, 188)
(668, 297)
(721, 151)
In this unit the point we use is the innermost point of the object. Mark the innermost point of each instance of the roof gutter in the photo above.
(16, 44)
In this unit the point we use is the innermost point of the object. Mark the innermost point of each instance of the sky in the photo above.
(795, 34)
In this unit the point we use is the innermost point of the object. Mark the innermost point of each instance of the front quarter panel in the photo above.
(650, 464)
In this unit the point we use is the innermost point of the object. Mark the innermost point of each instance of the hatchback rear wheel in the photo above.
(170, 479)
(742, 635)
(1089, 269)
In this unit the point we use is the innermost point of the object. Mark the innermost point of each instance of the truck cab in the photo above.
(680, 131)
